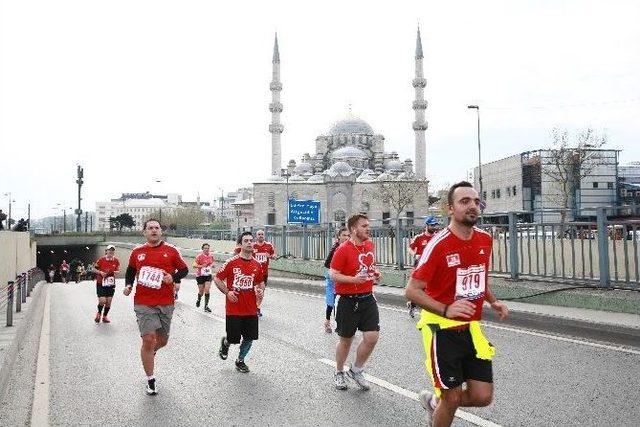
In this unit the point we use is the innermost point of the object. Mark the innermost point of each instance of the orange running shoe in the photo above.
(105, 319)
(97, 318)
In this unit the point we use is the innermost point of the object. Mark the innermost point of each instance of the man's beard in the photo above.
(469, 222)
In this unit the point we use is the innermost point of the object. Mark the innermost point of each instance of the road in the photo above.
(96, 376)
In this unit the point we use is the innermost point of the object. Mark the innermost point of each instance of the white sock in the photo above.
(150, 377)
(357, 370)
(433, 402)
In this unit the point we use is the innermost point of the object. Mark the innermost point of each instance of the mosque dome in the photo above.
(351, 126)
(394, 165)
(303, 168)
(348, 152)
(340, 168)
(316, 178)
(367, 175)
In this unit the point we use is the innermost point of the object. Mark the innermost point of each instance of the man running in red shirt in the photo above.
(204, 273)
(106, 269)
(263, 252)
(240, 279)
(64, 271)
(451, 285)
(354, 273)
(154, 267)
(416, 247)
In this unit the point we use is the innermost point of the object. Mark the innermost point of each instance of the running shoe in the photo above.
(327, 328)
(197, 302)
(242, 367)
(223, 352)
(97, 318)
(152, 388)
(259, 313)
(340, 381)
(425, 397)
(207, 309)
(358, 378)
(105, 319)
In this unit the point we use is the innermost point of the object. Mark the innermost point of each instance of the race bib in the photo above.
(261, 257)
(108, 281)
(151, 277)
(470, 282)
(205, 271)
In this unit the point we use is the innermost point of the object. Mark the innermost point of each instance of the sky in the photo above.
(178, 91)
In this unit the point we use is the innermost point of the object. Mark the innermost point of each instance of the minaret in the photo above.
(276, 108)
(419, 105)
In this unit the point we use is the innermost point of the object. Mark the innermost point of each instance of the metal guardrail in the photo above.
(15, 293)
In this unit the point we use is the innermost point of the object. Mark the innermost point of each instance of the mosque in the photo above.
(347, 168)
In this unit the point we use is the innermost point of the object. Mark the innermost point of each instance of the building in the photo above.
(629, 184)
(523, 183)
(349, 164)
(139, 205)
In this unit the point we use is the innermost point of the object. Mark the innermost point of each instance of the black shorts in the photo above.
(356, 313)
(454, 359)
(105, 291)
(241, 326)
(202, 279)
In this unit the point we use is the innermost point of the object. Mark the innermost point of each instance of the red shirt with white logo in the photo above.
(150, 262)
(456, 269)
(107, 266)
(207, 261)
(354, 260)
(419, 242)
(262, 252)
(241, 275)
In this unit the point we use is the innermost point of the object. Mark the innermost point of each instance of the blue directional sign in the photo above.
(304, 211)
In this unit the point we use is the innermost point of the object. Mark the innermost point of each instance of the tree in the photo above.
(399, 192)
(571, 158)
(121, 221)
(183, 217)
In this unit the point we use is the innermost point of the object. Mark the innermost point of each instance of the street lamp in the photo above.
(9, 217)
(477, 108)
(285, 173)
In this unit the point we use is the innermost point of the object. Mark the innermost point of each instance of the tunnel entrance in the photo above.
(73, 254)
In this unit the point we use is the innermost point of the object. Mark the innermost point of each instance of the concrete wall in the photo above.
(17, 254)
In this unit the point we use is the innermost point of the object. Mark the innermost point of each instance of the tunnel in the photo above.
(54, 254)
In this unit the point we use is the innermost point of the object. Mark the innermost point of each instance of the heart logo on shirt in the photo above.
(366, 260)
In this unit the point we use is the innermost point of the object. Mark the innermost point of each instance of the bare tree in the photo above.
(571, 158)
(181, 217)
(399, 192)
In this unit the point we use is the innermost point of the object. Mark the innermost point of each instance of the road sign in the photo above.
(304, 211)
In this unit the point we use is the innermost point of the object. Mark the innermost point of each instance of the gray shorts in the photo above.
(154, 318)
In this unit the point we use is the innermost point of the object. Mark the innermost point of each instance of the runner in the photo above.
(51, 273)
(450, 283)
(155, 267)
(204, 271)
(106, 269)
(240, 279)
(354, 273)
(64, 270)
(263, 252)
(416, 247)
(330, 295)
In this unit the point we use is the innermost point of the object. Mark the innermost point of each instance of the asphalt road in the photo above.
(97, 377)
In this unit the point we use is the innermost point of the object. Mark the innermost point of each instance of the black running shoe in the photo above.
(198, 302)
(242, 367)
(207, 309)
(224, 349)
(152, 389)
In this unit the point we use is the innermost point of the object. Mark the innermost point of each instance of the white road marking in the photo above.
(40, 410)
(495, 326)
(473, 419)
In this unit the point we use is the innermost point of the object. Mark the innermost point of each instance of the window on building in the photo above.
(484, 195)
(271, 218)
(498, 193)
(493, 194)
(385, 218)
(595, 185)
(513, 191)
(508, 191)
(271, 200)
(610, 185)
(409, 218)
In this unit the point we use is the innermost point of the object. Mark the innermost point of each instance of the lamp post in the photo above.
(477, 108)
(285, 173)
(78, 211)
(9, 214)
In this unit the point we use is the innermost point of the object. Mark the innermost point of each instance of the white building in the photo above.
(139, 205)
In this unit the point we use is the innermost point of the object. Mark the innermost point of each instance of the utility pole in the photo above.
(79, 181)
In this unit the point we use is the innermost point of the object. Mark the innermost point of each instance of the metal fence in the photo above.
(15, 292)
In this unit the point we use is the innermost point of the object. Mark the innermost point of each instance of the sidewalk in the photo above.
(395, 296)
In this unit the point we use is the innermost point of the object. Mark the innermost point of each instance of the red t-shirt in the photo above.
(262, 252)
(241, 275)
(455, 269)
(419, 242)
(352, 260)
(150, 262)
(107, 266)
(207, 261)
